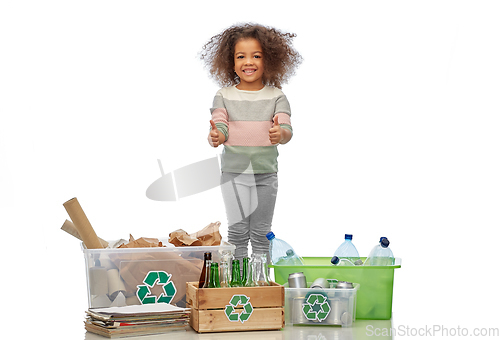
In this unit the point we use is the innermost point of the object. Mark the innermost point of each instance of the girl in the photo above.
(250, 116)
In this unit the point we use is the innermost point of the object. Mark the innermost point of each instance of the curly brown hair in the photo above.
(280, 58)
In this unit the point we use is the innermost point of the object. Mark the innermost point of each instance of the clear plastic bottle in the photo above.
(337, 261)
(347, 251)
(282, 253)
(291, 259)
(381, 254)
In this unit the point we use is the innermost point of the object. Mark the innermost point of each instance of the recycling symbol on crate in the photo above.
(316, 307)
(245, 314)
(160, 278)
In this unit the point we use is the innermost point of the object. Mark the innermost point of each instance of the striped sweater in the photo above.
(245, 118)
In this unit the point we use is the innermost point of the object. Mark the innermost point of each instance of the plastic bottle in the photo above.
(381, 254)
(291, 259)
(337, 261)
(347, 251)
(282, 253)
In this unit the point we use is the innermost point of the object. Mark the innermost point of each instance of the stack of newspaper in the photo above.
(115, 322)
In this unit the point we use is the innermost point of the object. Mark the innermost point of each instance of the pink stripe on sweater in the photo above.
(283, 118)
(220, 116)
(249, 133)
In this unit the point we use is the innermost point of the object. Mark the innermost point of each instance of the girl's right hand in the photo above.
(214, 137)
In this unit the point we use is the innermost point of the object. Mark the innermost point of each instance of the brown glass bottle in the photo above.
(205, 271)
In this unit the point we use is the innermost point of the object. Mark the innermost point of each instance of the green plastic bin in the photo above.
(374, 298)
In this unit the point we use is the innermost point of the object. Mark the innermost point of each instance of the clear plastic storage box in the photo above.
(318, 306)
(132, 276)
(374, 299)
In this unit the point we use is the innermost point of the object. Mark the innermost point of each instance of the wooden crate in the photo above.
(227, 310)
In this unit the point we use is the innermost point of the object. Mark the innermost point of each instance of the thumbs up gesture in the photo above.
(275, 133)
(215, 137)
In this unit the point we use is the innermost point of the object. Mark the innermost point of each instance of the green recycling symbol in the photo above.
(143, 292)
(233, 303)
(316, 307)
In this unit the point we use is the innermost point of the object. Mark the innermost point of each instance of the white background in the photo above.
(395, 112)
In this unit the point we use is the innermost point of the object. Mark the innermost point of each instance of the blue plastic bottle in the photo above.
(281, 253)
(381, 254)
(347, 251)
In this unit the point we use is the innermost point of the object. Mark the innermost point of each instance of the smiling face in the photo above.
(249, 64)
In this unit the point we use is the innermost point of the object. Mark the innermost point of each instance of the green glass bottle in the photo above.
(236, 274)
(244, 270)
(214, 276)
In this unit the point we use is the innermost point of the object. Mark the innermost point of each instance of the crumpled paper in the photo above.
(208, 236)
(143, 242)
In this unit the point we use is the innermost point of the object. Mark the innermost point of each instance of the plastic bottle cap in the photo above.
(270, 235)
(348, 236)
(335, 259)
(384, 242)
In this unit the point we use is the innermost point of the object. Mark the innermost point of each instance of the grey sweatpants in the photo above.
(249, 201)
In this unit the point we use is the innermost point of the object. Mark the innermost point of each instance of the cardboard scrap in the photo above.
(208, 236)
(143, 242)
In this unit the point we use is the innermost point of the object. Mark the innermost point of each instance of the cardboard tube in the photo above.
(82, 224)
(106, 262)
(98, 281)
(70, 228)
(115, 284)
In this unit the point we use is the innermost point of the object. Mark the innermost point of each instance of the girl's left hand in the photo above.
(275, 133)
